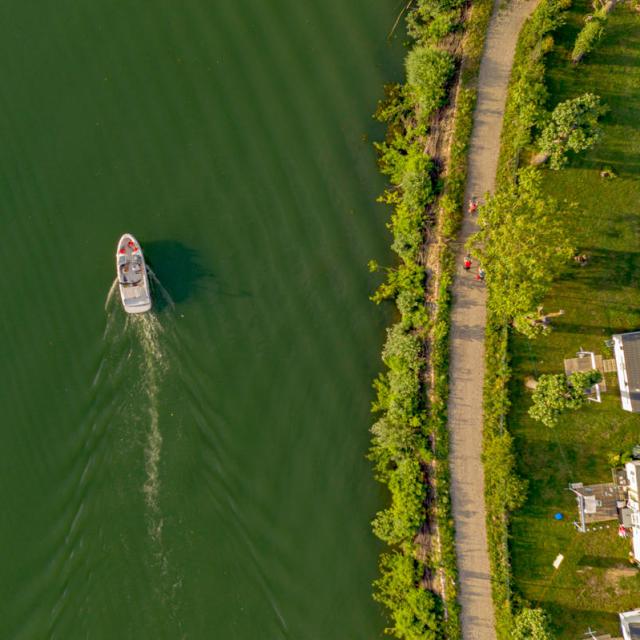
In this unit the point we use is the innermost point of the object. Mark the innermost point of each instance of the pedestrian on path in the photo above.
(473, 205)
(467, 262)
(481, 274)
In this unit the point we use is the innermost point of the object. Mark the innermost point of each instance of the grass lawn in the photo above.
(595, 581)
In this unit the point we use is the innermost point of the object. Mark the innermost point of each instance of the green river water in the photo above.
(198, 472)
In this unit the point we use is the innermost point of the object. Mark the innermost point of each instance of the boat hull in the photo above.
(133, 279)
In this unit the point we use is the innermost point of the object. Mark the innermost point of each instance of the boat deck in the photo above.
(134, 286)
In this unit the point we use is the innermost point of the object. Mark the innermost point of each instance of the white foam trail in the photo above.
(148, 330)
(148, 333)
(107, 302)
(144, 333)
(165, 294)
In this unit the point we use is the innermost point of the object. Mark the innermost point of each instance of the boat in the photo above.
(132, 275)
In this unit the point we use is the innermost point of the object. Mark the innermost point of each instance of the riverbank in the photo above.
(426, 160)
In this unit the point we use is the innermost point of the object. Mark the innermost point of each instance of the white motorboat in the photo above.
(132, 275)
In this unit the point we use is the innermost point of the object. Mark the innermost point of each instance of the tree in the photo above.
(543, 320)
(573, 126)
(558, 392)
(522, 245)
(431, 21)
(589, 36)
(400, 522)
(413, 609)
(531, 624)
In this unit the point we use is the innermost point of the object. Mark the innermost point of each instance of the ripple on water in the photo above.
(235, 128)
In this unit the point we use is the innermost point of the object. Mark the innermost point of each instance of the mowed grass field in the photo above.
(596, 579)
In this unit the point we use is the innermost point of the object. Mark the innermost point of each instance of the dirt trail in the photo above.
(467, 334)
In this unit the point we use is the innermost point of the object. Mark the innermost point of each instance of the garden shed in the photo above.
(626, 347)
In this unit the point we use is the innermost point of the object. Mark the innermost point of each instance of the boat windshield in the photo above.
(131, 271)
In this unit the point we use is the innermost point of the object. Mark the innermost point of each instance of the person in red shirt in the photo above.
(467, 263)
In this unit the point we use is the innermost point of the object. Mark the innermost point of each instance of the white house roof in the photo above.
(630, 623)
(627, 353)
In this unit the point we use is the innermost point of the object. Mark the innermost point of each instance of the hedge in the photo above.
(504, 490)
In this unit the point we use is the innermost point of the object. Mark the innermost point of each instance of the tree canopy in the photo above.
(558, 392)
(589, 35)
(413, 610)
(573, 126)
(522, 245)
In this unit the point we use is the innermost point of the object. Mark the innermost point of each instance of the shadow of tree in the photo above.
(581, 620)
(607, 267)
(603, 562)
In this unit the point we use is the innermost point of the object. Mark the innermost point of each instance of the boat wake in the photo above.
(158, 285)
(143, 332)
(135, 362)
(148, 331)
(107, 302)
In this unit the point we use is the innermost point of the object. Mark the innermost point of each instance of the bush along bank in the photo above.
(401, 446)
(448, 221)
(410, 440)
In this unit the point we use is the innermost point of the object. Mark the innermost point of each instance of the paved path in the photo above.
(467, 335)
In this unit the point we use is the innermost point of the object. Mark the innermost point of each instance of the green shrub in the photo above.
(400, 522)
(505, 490)
(531, 624)
(430, 21)
(395, 439)
(428, 73)
(398, 150)
(405, 284)
(394, 106)
(525, 108)
(589, 36)
(416, 182)
(407, 226)
(414, 610)
(499, 467)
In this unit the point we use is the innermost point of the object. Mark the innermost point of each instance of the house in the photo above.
(633, 504)
(596, 503)
(626, 348)
(630, 623)
(618, 500)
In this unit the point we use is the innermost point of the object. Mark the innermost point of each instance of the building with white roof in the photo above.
(626, 348)
(630, 623)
